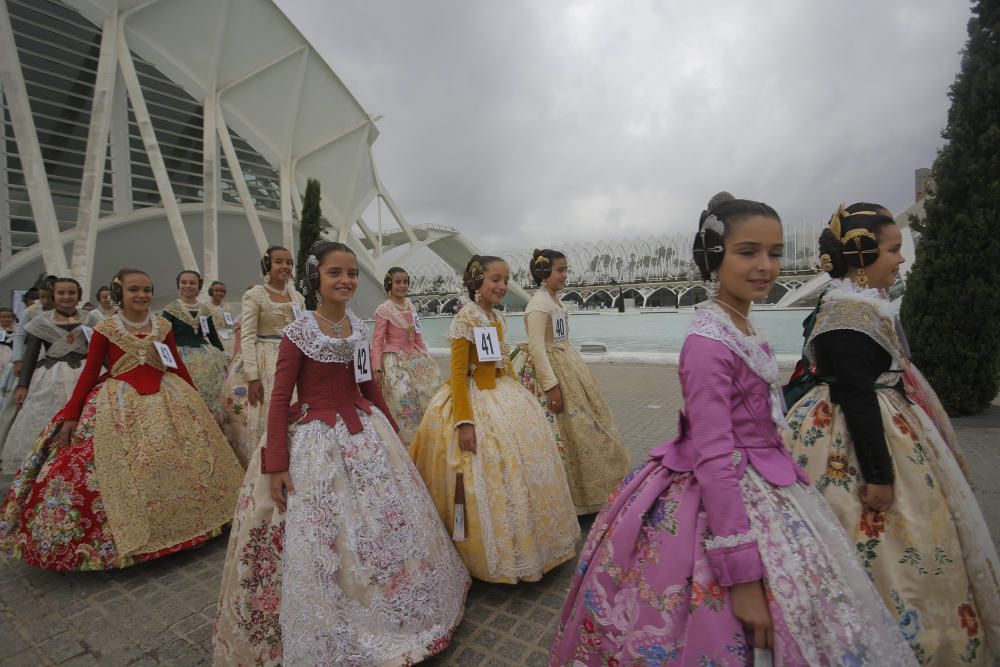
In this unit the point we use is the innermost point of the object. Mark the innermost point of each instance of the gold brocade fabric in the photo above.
(182, 312)
(137, 351)
(165, 471)
(845, 310)
(930, 556)
(519, 513)
(593, 450)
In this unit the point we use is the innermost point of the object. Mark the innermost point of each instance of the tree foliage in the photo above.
(310, 230)
(952, 307)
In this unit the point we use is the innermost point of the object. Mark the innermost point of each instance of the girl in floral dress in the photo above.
(717, 549)
(369, 574)
(485, 437)
(247, 630)
(407, 375)
(549, 367)
(134, 466)
(880, 460)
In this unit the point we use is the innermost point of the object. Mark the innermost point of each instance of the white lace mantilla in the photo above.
(712, 322)
(472, 316)
(388, 310)
(316, 345)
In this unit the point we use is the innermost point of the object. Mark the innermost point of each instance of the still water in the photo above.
(654, 332)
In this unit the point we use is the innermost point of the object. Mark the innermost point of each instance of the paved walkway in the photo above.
(160, 613)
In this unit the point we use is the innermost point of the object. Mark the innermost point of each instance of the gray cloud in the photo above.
(523, 123)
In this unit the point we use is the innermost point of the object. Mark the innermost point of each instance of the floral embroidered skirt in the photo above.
(519, 518)
(930, 555)
(245, 425)
(50, 389)
(143, 476)
(409, 382)
(644, 592)
(595, 456)
(369, 574)
(207, 366)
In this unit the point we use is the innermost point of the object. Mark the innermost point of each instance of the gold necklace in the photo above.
(336, 327)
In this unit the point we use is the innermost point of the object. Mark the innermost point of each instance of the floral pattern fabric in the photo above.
(408, 383)
(207, 366)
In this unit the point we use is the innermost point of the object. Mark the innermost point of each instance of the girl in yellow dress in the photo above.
(549, 367)
(487, 453)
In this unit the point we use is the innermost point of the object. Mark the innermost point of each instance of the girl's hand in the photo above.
(255, 392)
(554, 397)
(467, 438)
(750, 608)
(65, 433)
(281, 488)
(19, 395)
(877, 497)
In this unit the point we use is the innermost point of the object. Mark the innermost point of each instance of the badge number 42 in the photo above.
(362, 363)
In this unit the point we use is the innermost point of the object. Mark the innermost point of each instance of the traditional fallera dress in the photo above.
(596, 458)
(410, 376)
(246, 629)
(201, 350)
(723, 503)
(261, 322)
(52, 362)
(8, 381)
(225, 328)
(146, 473)
(930, 555)
(518, 513)
(369, 574)
(6, 359)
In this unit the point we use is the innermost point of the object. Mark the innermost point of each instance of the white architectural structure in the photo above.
(169, 134)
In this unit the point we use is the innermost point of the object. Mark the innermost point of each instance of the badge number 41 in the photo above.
(487, 343)
(362, 363)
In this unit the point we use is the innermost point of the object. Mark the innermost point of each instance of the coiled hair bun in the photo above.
(723, 211)
(475, 272)
(542, 262)
(851, 238)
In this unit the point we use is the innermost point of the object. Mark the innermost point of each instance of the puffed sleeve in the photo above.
(248, 336)
(373, 393)
(96, 354)
(854, 361)
(706, 371)
(274, 456)
(378, 341)
(536, 322)
(460, 382)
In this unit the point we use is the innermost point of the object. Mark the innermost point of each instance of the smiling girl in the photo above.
(134, 466)
(487, 453)
(880, 460)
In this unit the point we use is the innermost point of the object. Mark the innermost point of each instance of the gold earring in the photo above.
(861, 279)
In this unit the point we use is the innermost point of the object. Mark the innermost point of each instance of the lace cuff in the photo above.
(465, 421)
(734, 558)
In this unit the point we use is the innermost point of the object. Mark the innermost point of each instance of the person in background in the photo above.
(223, 316)
(7, 324)
(105, 306)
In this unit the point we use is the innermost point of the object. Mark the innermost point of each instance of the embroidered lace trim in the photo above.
(712, 322)
(846, 307)
(137, 351)
(472, 316)
(316, 345)
(182, 312)
(734, 540)
(388, 310)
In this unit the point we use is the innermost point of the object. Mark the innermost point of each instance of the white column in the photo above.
(92, 185)
(154, 155)
(285, 182)
(5, 249)
(30, 153)
(121, 158)
(210, 188)
(241, 185)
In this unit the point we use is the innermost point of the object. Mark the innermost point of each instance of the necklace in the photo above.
(336, 327)
(401, 307)
(282, 292)
(750, 328)
(133, 325)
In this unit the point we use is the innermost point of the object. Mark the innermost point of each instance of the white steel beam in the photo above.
(121, 157)
(211, 178)
(241, 185)
(285, 184)
(30, 153)
(5, 249)
(153, 153)
(92, 183)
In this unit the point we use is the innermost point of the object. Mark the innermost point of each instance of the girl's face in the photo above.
(188, 286)
(560, 272)
(6, 321)
(218, 294)
(496, 275)
(45, 298)
(400, 285)
(882, 273)
(281, 265)
(752, 259)
(66, 296)
(105, 298)
(137, 292)
(338, 277)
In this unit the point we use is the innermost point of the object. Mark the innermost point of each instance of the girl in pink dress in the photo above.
(717, 551)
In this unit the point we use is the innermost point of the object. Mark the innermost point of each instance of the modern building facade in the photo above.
(170, 134)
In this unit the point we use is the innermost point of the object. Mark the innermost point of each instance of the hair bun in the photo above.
(719, 199)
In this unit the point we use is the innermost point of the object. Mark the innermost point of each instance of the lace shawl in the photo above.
(137, 350)
(316, 345)
(845, 306)
(712, 322)
(472, 316)
(388, 310)
(61, 342)
(182, 312)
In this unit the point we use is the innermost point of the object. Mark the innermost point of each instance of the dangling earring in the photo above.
(861, 279)
(479, 297)
(319, 298)
(712, 285)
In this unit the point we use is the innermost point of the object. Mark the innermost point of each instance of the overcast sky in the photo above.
(545, 122)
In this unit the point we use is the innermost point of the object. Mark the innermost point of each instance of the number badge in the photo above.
(362, 363)
(560, 330)
(487, 343)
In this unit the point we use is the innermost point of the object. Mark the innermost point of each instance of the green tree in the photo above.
(952, 307)
(310, 230)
